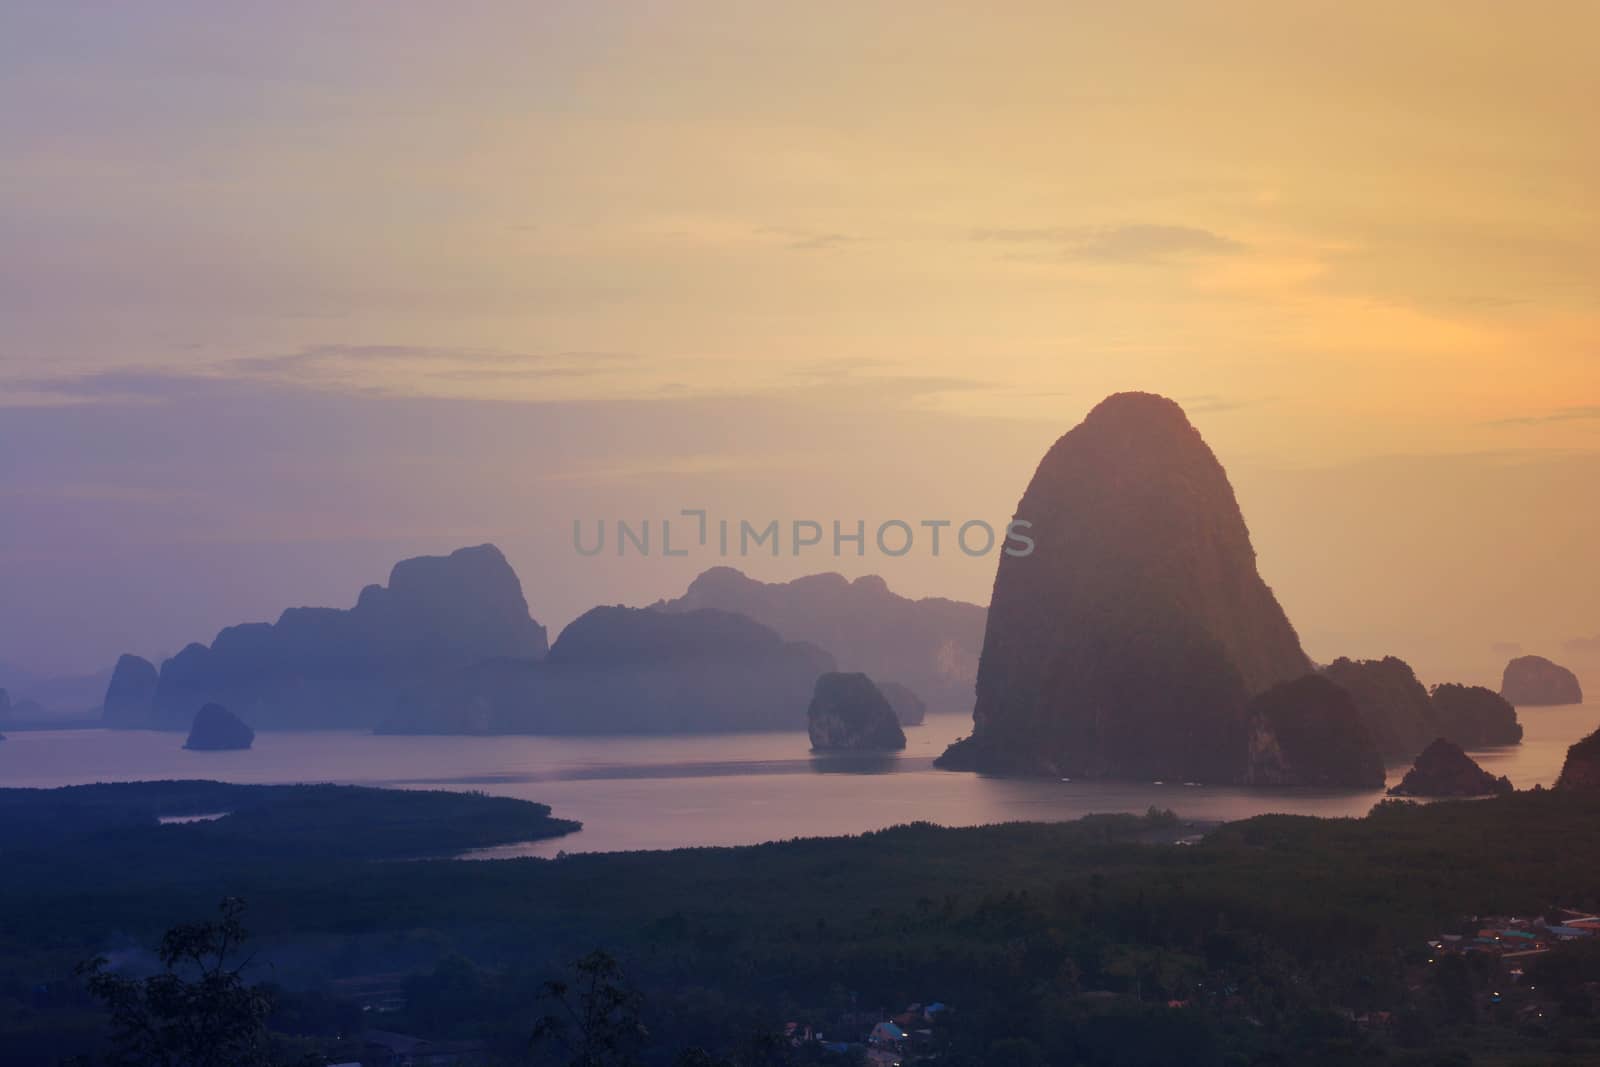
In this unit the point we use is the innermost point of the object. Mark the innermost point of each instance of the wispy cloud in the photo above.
(1212, 403)
(1572, 414)
(1128, 243)
(380, 370)
(810, 240)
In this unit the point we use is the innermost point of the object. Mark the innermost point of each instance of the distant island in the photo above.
(1533, 681)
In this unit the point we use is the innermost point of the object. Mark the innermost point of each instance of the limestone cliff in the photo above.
(1131, 640)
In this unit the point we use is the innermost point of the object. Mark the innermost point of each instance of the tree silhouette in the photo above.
(594, 1021)
(198, 1011)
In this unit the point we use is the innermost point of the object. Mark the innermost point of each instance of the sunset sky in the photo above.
(289, 291)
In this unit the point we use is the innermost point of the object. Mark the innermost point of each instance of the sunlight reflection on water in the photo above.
(725, 789)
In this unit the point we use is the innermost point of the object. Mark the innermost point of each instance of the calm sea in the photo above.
(730, 789)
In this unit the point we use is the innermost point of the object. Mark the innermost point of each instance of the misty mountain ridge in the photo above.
(327, 667)
(622, 670)
(929, 645)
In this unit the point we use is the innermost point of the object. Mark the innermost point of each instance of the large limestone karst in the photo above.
(1131, 640)
(1533, 681)
(1309, 732)
(849, 714)
(929, 645)
(325, 667)
(1443, 770)
(628, 670)
(1393, 704)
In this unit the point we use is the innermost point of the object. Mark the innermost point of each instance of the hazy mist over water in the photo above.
(721, 789)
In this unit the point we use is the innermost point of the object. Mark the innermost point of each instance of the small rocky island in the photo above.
(1533, 681)
(216, 729)
(849, 713)
(1309, 732)
(1581, 772)
(1444, 770)
(1475, 717)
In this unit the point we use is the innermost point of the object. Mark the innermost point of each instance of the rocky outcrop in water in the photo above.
(1581, 771)
(1443, 770)
(1309, 732)
(130, 698)
(929, 645)
(1394, 705)
(1131, 640)
(216, 729)
(5, 705)
(1475, 717)
(1533, 681)
(629, 670)
(326, 667)
(908, 707)
(849, 714)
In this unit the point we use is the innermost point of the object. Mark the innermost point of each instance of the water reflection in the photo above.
(862, 763)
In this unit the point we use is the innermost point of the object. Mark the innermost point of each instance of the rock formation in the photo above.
(629, 670)
(908, 707)
(929, 645)
(1475, 717)
(849, 714)
(1309, 732)
(1443, 770)
(1130, 641)
(1581, 771)
(1393, 704)
(216, 729)
(325, 667)
(1533, 681)
(130, 698)
(5, 705)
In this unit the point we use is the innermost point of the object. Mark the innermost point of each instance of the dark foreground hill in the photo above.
(1269, 941)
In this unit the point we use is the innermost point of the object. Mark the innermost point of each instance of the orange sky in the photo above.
(1360, 242)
